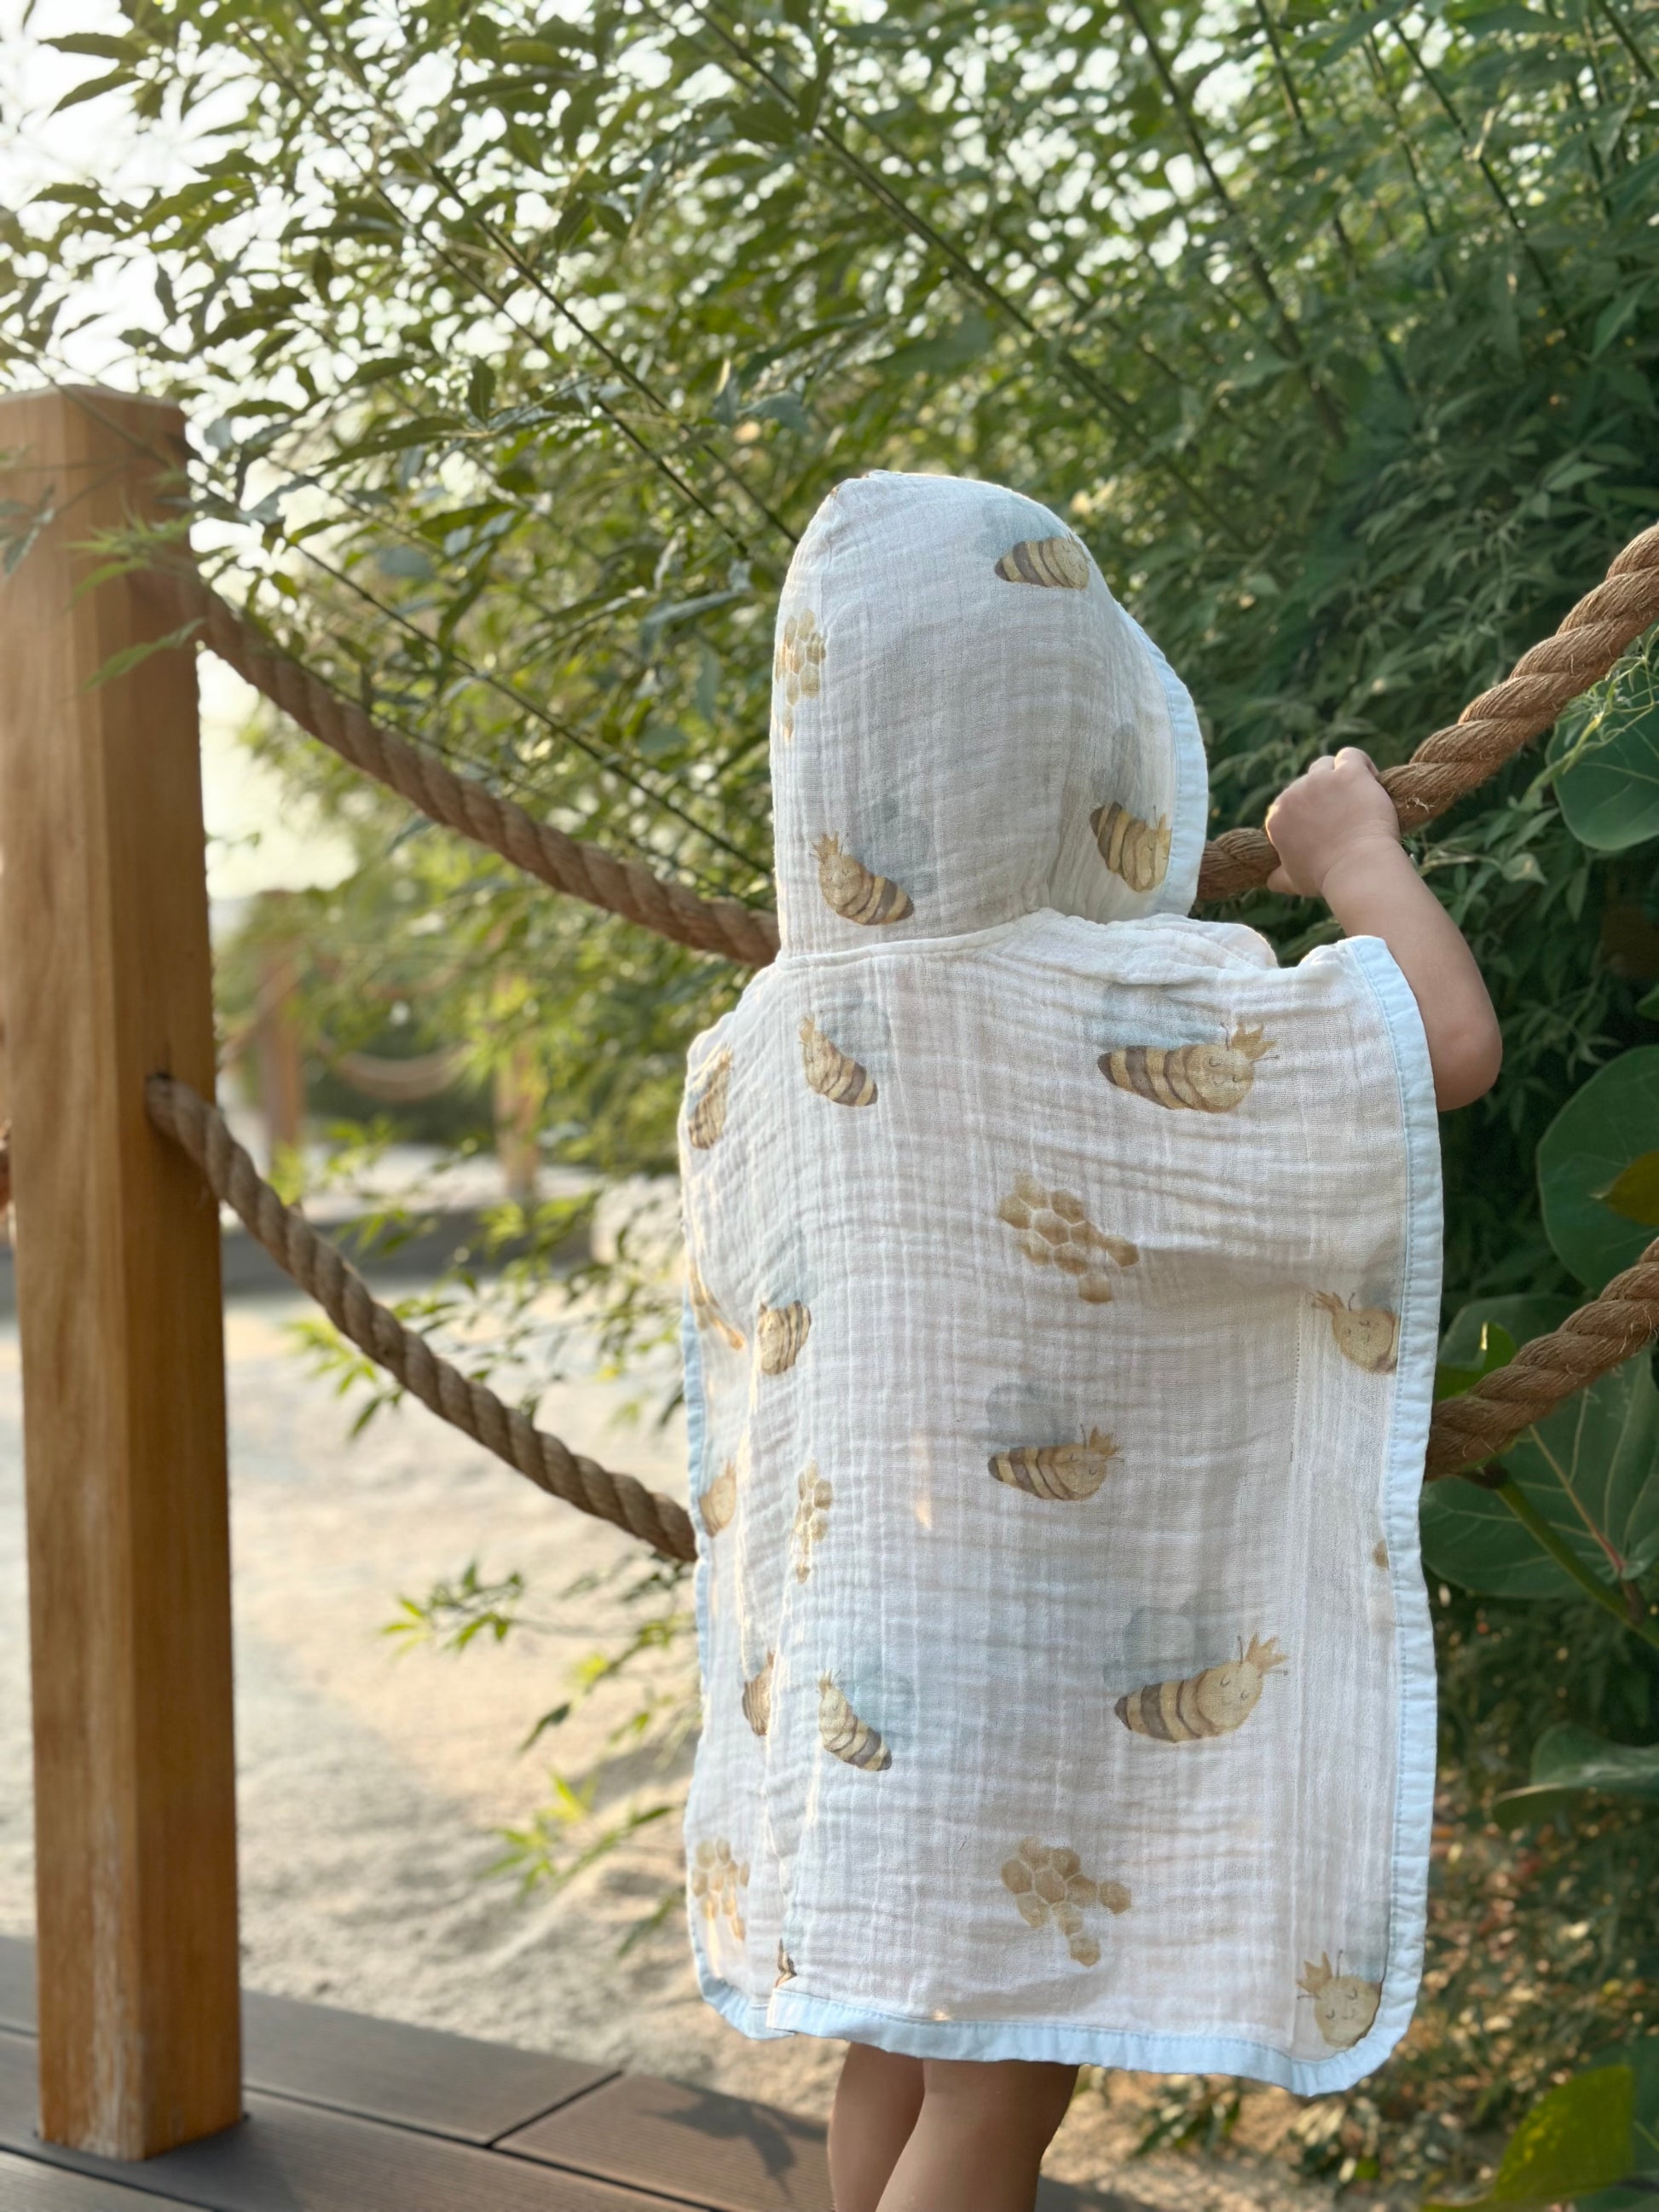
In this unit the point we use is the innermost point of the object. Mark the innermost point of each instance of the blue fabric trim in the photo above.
(792, 2010)
(1192, 801)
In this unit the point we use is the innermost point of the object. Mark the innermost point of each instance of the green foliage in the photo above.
(1594, 1168)
(1574, 2140)
(1567, 1760)
(1605, 753)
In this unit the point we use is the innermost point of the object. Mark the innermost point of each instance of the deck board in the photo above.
(725, 2153)
(382, 2069)
(26, 2185)
(289, 2157)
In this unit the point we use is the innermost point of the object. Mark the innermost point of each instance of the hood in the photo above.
(967, 727)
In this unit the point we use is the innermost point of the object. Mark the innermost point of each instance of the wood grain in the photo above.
(103, 914)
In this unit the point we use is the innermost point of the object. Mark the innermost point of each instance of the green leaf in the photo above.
(1567, 1760)
(93, 89)
(1576, 2138)
(1497, 1348)
(954, 349)
(1591, 1470)
(1601, 1132)
(100, 45)
(1605, 753)
(1642, 2056)
(1634, 1192)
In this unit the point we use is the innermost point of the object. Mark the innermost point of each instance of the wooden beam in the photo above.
(103, 915)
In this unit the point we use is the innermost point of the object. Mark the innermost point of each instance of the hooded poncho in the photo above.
(1063, 1283)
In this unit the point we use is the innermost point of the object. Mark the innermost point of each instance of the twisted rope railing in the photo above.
(323, 1271)
(1466, 1431)
(1446, 768)
(746, 935)
(1482, 1423)
(1492, 729)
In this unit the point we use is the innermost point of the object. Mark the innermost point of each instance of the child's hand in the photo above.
(1338, 838)
(1317, 823)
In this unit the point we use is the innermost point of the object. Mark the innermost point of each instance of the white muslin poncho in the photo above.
(1063, 1285)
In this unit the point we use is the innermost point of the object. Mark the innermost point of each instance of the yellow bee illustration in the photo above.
(1058, 563)
(1212, 1078)
(1213, 1703)
(780, 1333)
(1067, 1471)
(1048, 1882)
(706, 1312)
(845, 1736)
(856, 892)
(1056, 1231)
(785, 1966)
(1368, 1335)
(705, 1113)
(719, 1501)
(813, 1498)
(757, 1697)
(1136, 850)
(797, 667)
(717, 1877)
(831, 1072)
(1344, 2005)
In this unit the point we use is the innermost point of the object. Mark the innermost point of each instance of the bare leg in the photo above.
(979, 2141)
(877, 2100)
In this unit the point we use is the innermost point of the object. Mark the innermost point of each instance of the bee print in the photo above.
(1344, 2005)
(1380, 1554)
(797, 668)
(719, 1501)
(706, 1312)
(785, 1966)
(831, 1072)
(845, 1736)
(1136, 850)
(856, 892)
(1055, 1231)
(758, 1698)
(1058, 563)
(1213, 1703)
(1048, 1883)
(1066, 1471)
(705, 1114)
(1368, 1335)
(813, 1496)
(1212, 1078)
(718, 1880)
(780, 1333)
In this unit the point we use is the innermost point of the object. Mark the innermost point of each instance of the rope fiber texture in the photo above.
(1485, 1421)
(746, 935)
(323, 1271)
(1446, 766)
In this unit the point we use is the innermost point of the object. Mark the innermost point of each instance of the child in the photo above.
(1063, 1283)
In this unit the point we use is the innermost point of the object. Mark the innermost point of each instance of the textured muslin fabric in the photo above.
(1063, 1278)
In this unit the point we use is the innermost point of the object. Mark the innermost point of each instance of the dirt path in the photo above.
(372, 1784)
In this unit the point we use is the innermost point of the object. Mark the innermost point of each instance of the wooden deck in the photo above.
(349, 2114)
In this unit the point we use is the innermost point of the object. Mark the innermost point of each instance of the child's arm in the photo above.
(1338, 839)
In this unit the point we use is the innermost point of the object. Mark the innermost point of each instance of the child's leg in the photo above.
(877, 2100)
(979, 2140)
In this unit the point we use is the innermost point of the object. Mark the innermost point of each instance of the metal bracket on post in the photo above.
(103, 917)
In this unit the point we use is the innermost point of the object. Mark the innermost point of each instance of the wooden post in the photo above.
(103, 915)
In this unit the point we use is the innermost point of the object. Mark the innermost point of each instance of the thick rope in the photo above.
(1482, 1423)
(1492, 728)
(321, 1269)
(1466, 1431)
(1445, 767)
(746, 935)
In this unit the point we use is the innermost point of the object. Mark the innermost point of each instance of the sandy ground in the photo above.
(373, 1783)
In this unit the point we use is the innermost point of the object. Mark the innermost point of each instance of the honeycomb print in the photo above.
(796, 669)
(1053, 1231)
(718, 1881)
(1048, 1884)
